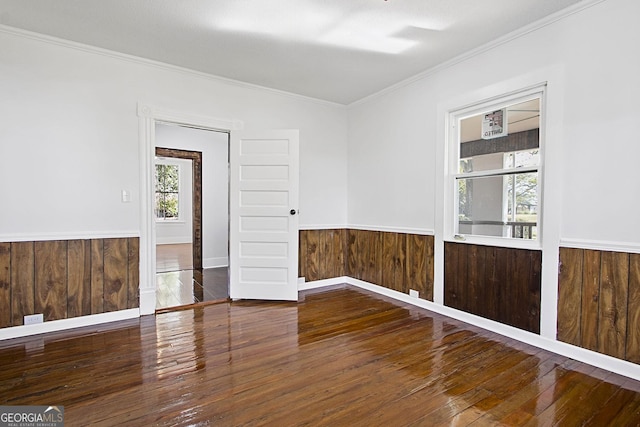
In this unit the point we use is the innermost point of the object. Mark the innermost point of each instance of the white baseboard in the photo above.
(64, 324)
(173, 240)
(304, 286)
(599, 360)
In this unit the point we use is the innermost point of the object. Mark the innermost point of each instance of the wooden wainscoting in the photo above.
(397, 261)
(501, 284)
(67, 278)
(321, 254)
(599, 301)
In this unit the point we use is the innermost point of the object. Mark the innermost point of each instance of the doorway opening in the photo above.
(191, 216)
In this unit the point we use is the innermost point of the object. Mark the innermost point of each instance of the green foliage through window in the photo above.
(167, 191)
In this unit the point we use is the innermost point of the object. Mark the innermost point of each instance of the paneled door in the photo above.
(264, 215)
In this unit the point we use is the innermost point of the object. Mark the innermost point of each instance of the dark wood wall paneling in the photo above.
(599, 301)
(501, 284)
(67, 278)
(397, 261)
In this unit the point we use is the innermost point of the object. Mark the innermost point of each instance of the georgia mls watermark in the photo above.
(31, 416)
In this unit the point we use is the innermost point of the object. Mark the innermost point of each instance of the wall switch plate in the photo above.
(33, 319)
(126, 196)
(413, 293)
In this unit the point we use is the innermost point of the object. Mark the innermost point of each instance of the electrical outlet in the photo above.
(33, 319)
(414, 293)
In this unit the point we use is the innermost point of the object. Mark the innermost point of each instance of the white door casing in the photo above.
(264, 215)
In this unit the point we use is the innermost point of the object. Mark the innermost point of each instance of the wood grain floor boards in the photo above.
(340, 356)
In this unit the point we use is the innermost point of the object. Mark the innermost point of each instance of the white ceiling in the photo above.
(336, 50)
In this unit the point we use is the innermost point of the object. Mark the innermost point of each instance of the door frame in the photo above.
(148, 117)
(196, 197)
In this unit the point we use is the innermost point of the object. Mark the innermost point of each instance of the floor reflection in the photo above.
(184, 287)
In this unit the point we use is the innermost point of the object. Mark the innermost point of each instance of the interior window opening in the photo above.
(498, 181)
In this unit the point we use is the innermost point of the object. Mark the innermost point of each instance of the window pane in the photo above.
(503, 206)
(167, 178)
(520, 134)
(169, 205)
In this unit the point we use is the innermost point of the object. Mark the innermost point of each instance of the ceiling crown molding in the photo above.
(535, 26)
(156, 64)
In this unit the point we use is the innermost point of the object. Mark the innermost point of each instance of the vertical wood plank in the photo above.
(590, 317)
(301, 253)
(22, 280)
(476, 265)
(521, 302)
(352, 244)
(5, 285)
(390, 261)
(462, 271)
(51, 279)
(535, 291)
(97, 276)
(430, 248)
(79, 278)
(633, 322)
(416, 264)
(325, 254)
(335, 241)
(343, 237)
(451, 276)
(496, 279)
(614, 286)
(570, 296)
(329, 254)
(373, 265)
(115, 274)
(133, 281)
(311, 254)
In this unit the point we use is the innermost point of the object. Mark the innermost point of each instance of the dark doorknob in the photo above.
(292, 211)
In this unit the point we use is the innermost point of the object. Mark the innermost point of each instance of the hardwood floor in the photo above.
(174, 257)
(186, 287)
(339, 357)
(178, 284)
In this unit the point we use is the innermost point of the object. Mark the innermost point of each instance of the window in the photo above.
(497, 161)
(167, 178)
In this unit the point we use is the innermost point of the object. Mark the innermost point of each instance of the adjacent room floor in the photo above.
(178, 284)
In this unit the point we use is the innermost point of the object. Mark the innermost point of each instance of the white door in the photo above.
(264, 215)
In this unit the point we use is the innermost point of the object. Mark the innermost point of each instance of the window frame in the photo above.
(454, 117)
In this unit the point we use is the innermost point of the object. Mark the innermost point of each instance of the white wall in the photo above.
(69, 136)
(179, 230)
(592, 58)
(215, 186)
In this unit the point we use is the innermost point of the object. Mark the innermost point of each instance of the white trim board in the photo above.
(393, 229)
(599, 360)
(82, 235)
(601, 245)
(65, 324)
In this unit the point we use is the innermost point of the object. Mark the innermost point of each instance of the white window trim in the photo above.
(454, 116)
(181, 192)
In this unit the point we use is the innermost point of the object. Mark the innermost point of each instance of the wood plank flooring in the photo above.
(339, 357)
(178, 284)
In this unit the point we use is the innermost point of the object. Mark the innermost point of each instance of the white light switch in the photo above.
(126, 196)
